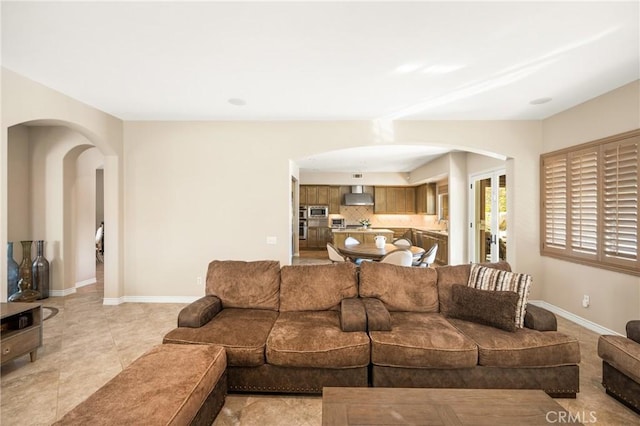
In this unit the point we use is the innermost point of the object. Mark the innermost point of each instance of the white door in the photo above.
(488, 217)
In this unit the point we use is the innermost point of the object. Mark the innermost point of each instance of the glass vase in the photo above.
(13, 274)
(40, 271)
(25, 265)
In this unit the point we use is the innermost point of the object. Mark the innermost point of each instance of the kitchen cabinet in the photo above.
(318, 237)
(314, 195)
(426, 239)
(302, 197)
(394, 200)
(426, 199)
(335, 197)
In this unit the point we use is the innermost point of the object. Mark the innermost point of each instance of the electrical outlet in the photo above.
(199, 281)
(586, 301)
(272, 240)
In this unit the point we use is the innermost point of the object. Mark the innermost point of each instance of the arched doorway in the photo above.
(51, 196)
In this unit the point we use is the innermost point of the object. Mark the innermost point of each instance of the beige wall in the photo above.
(197, 191)
(615, 297)
(18, 181)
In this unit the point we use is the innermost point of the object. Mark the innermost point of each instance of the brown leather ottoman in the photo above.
(168, 385)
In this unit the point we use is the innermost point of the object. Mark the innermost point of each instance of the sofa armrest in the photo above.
(378, 318)
(352, 315)
(199, 312)
(537, 318)
(633, 330)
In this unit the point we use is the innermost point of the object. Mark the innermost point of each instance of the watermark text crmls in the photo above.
(566, 417)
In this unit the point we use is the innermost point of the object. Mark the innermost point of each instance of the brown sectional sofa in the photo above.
(300, 328)
(621, 365)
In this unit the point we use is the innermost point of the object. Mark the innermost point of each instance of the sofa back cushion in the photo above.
(400, 288)
(250, 285)
(457, 274)
(317, 287)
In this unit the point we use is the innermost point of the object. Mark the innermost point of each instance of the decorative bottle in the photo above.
(13, 274)
(25, 265)
(40, 271)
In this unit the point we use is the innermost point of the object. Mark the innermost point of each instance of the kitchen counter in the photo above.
(435, 231)
(362, 230)
(362, 235)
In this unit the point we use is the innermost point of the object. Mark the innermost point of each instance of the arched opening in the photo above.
(445, 168)
(52, 193)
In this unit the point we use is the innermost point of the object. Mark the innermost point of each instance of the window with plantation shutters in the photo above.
(555, 202)
(620, 200)
(589, 203)
(583, 202)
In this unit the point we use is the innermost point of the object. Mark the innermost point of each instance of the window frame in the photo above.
(558, 190)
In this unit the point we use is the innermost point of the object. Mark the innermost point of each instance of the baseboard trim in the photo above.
(86, 282)
(112, 301)
(590, 325)
(62, 293)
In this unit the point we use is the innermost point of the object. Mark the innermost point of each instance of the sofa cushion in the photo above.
(242, 332)
(622, 353)
(484, 278)
(317, 287)
(457, 274)
(493, 308)
(238, 284)
(422, 340)
(314, 339)
(522, 348)
(400, 288)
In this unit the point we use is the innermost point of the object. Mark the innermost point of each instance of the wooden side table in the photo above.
(20, 330)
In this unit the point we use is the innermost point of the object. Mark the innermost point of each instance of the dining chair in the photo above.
(350, 241)
(334, 254)
(402, 242)
(398, 257)
(428, 257)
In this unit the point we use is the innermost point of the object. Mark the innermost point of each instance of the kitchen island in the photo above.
(362, 235)
(426, 238)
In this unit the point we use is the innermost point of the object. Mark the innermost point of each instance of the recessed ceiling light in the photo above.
(540, 101)
(237, 101)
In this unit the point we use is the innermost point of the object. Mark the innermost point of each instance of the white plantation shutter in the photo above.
(555, 202)
(589, 209)
(584, 202)
(620, 200)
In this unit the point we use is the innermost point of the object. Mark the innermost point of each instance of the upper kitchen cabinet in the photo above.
(335, 197)
(314, 195)
(426, 199)
(395, 200)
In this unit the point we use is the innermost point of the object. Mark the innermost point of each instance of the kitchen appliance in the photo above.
(338, 222)
(358, 197)
(303, 212)
(317, 212)
(302, 231)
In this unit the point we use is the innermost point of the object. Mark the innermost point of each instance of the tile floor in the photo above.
(86, 344)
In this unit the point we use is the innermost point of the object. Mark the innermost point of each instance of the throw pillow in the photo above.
(494, 308)
(484, 278)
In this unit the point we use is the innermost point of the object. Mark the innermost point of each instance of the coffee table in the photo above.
(417, 406)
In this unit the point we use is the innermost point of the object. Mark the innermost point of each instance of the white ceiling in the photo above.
(325, 60)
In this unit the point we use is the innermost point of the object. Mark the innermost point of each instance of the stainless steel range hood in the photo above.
(358, 197)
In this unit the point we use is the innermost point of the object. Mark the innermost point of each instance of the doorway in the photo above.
(488, 202)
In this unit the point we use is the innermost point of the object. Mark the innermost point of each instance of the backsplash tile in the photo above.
(353, 214)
